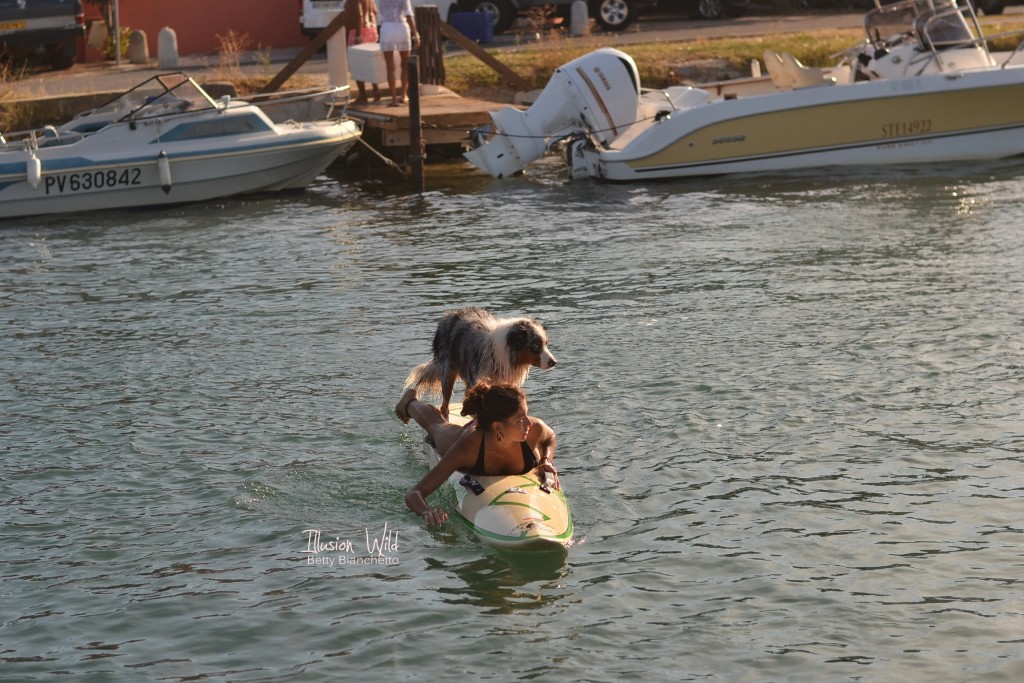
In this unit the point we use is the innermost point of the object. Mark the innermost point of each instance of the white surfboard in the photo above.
(512, 512)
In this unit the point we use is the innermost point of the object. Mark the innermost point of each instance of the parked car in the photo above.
(611, 15)
(48, 29)
(990, 7)
(314, 15)
(707, 9)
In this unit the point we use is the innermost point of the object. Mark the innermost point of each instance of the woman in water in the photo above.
(501, 439)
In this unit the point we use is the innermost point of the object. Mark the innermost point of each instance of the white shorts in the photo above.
(395, 36)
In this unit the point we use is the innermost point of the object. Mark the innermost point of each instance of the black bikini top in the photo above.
(529, 459)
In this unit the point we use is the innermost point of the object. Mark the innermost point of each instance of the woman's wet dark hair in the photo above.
(490, 403)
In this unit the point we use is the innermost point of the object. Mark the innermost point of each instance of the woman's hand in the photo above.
(549, 474)
(434, 516)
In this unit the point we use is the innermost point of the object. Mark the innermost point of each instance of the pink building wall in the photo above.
(197, 23)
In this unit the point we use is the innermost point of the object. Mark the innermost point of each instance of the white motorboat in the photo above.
(166, 141)
(923, 87)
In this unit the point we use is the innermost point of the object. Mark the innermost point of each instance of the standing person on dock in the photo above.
(361, 27)
(397, 34)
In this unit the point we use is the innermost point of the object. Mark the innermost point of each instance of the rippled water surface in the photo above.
(789, 412)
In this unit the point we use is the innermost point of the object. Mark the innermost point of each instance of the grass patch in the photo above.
(657, 60)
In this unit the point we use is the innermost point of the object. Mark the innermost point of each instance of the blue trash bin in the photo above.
(476, 26)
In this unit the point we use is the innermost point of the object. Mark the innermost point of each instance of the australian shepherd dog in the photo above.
(472, 344)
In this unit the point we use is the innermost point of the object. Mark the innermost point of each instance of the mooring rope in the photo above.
(383, 158)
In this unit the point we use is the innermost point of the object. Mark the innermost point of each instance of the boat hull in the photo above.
(972, 116)
(117, 176)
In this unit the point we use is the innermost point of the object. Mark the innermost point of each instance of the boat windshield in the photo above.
(165, 94)
(937, 23)
(160, 95)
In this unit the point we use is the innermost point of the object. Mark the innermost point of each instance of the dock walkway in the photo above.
(447, 119)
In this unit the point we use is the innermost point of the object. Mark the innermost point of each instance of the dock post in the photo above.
(337, 59)
(416, 146)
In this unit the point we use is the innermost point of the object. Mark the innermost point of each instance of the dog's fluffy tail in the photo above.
(424, 378)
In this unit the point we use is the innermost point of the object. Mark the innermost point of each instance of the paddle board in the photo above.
(512, 512)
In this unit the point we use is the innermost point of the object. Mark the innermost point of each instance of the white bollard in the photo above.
(579, 20)
(138, 48)
(167, 48)
(98, 33)
(337, 56)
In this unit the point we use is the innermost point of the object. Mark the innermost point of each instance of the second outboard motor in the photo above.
(597, 94)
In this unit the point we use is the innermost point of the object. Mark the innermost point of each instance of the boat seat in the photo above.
(777, 70)
(803, 76)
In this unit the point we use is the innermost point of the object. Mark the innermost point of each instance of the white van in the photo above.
(316, 14)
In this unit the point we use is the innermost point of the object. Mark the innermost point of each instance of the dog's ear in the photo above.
(518, 336)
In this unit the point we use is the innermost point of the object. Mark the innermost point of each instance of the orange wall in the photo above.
(197, 23)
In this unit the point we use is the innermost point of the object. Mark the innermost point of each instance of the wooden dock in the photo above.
(446, 117)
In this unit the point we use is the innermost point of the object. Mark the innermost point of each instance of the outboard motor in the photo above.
(597, 94)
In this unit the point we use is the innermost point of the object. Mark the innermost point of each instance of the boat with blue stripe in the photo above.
(167, 141)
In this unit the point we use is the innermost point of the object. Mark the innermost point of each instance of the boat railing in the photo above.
(36, 138)
(299, 94)
(893, 23)
(888, 22)
(941, 30)
(935, 32)
(333, 97)
(1017, 34)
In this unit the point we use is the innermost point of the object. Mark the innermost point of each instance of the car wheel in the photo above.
(502, 15)
(710, 9)
(62, 56)
(613, 15)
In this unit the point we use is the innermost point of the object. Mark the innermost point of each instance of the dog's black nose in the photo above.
(553, 363)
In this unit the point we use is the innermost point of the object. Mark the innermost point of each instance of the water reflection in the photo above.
(502, 582)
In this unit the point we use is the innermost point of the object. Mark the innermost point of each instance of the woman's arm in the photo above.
(416, 498)
(545, 444)
(542, 438)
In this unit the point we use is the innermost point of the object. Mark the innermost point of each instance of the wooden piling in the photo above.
(416, 146)
(431, 48)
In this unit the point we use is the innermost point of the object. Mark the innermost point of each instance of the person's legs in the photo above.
(362, 92)
(389, 65)
(404, 60)
(442, 432)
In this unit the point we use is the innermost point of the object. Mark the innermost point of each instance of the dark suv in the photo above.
(42, 28)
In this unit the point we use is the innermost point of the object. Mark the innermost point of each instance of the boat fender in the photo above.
(34, 171)
(163, 164)
(471, 484)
